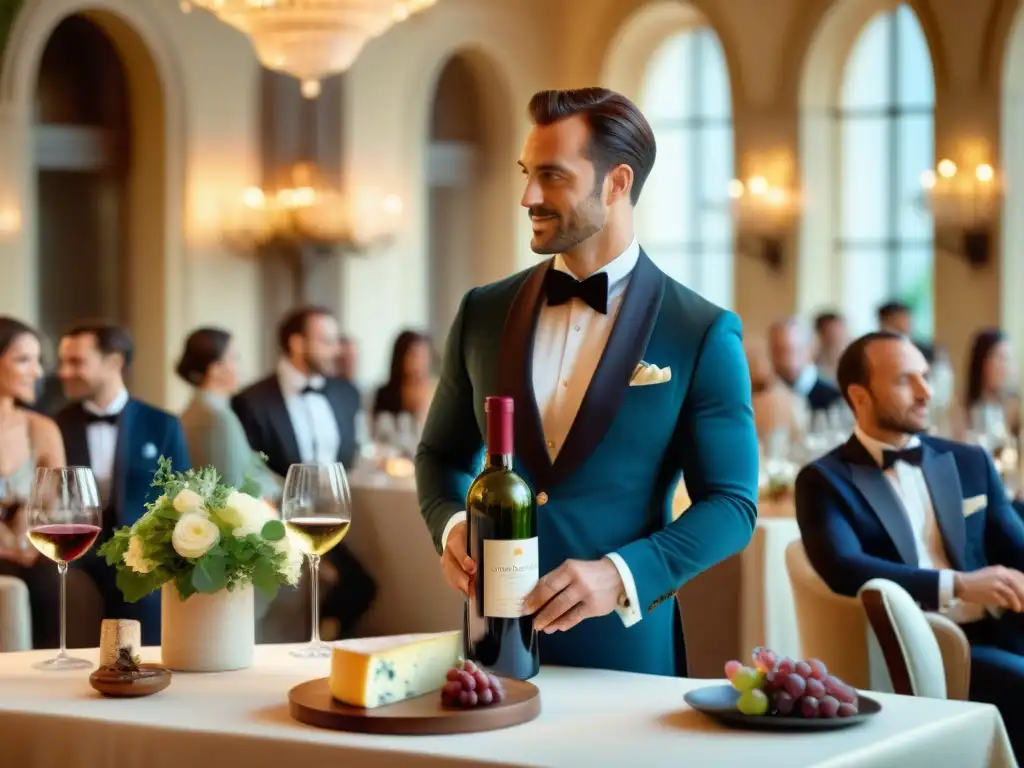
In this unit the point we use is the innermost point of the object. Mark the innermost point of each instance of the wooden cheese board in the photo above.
(311, 703)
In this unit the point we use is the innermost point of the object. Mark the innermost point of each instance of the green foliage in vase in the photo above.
(204, 536)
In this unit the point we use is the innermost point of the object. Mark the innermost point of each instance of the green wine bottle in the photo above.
(502, 535)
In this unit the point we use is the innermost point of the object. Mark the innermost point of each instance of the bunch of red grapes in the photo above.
(781, 686)
(470, 686)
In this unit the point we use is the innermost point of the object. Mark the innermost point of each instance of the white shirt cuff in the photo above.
(458, 517)
(946, 590)
(629, 613)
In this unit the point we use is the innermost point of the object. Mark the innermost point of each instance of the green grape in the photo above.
(753, 702)
(747, 679)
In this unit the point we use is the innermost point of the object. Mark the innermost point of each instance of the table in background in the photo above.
(589, 718)
(390, 539)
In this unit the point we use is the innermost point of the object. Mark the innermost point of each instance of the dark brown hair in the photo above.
(853, 363)
(296, 322)
(203, 348)
(619, 133)
(110, 338)
(10, 330)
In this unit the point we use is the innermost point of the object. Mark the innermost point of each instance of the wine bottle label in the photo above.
(511, 571)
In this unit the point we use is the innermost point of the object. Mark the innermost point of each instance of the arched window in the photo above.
(886, 117)
(683, 218)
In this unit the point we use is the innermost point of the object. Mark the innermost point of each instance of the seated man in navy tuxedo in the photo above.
(121, 439)
(929, 514)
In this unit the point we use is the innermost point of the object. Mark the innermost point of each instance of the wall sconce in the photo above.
(764, 216)
(310, 218)
(964, 206)
(10, 222)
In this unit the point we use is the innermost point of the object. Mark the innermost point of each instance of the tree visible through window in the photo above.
(683, 218)
(886, 118)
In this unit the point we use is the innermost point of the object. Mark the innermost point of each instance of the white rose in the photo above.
(291, 568)
(245, 514)
(189, 502)
(194, 535)
(135, 559)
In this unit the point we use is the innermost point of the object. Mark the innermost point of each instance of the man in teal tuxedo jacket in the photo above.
(622, 380)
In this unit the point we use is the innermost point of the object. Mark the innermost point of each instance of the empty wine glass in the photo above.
(316, 508)
(64, 521)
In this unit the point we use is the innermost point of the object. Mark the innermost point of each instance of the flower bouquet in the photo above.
(205, 545)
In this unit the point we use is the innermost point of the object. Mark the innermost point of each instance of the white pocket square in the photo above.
(646, 374)
(974, 504)
(149, 451)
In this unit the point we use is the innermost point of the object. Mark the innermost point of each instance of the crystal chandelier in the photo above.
(310, 39)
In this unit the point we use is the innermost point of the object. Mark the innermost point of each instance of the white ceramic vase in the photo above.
(207, 633)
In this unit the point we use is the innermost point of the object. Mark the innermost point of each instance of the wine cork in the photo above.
(116, 634)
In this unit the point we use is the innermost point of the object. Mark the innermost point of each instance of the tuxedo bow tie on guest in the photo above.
(121, 439)
(928, 514)
(908, 455)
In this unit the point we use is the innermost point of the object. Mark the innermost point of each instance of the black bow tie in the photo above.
(309, 389)
(909, 455)
(561, 287)
(102, 418)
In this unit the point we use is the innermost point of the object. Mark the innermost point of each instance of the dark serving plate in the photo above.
(719, 702)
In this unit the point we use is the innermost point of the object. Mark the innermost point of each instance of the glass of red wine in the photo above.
(64, 521)
(316, 508)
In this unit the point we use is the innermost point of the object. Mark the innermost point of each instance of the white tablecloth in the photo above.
(589, 718)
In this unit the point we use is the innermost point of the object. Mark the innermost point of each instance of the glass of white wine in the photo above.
(316, 508)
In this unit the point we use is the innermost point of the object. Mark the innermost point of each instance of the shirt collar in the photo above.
(113, 408)
(618, 269)
(293, 381)
(806, 380)
(876, 447)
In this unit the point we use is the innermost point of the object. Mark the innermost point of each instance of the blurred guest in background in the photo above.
(121, 439)
(347, 368)
(777, 410)
(303, 414)
(790, 348)
(896, 317)
(990, 400)
(410, 385)
(27, 440)
(832, 338)
(215, 436)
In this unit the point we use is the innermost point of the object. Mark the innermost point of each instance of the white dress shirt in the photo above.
(102, 440)
(567, 346)
(313, 421)
(911, 488)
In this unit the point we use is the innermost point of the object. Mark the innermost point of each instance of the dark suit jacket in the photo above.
(264, 416)
(854, 528)
(145, 433)
(823, 396)
(610, 488)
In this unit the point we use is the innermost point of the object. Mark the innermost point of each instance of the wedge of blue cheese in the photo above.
(376, 671)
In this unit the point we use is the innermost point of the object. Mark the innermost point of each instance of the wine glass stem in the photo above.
(314, 592)
(62, 569)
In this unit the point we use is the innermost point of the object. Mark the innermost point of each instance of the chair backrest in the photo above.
(833, 628)
(906, 638)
